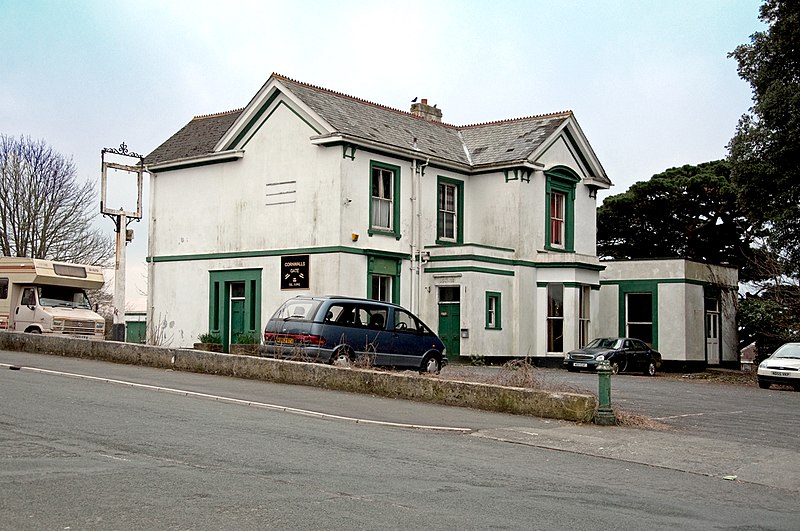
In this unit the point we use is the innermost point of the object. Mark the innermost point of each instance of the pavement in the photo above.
(669, 449)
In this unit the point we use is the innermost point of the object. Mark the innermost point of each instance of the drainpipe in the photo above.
(412, 303)
(418, 176)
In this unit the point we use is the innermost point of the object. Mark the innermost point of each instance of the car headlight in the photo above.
(58, 324)
(99, 325)
(601, 357)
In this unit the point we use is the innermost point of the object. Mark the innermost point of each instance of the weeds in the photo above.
(157, 333)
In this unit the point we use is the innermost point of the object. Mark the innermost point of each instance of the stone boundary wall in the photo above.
(547, 404)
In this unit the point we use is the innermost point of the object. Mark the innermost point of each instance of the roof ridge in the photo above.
(510, 120)
(216, 114)
(359, 100)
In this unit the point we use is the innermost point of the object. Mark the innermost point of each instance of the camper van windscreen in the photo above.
(69, 270)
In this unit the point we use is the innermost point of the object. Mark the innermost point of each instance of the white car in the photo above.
(783, 367)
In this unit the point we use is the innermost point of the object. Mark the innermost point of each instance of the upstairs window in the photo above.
(450, 211)
(557, 202)
(560, 209)
(384, 206)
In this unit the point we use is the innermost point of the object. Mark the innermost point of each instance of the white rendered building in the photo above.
(486, 231)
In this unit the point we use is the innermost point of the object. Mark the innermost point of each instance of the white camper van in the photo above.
(45, 297)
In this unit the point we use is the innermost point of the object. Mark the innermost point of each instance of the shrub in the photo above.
(209, 338)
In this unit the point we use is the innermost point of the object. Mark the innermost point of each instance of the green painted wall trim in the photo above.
(511, 262)
(276, 252)
(248, 130)
(568, 285)
(468, 269)
(657, 280)
(253, 120)
(478, 245)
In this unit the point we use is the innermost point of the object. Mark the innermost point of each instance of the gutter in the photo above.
(198, 160)
(412, 154)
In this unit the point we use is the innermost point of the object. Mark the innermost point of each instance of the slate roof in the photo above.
(492, 143)
(198, 137)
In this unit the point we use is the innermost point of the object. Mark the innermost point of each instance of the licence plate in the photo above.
(579, 364)
(779, 373)
(285, 340)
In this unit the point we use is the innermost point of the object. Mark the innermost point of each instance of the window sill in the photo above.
(493, 328)
(382, 232)
(558, 249)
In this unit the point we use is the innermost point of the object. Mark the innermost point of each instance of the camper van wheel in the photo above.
(33, 331)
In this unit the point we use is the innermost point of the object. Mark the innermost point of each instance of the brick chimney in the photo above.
(423, 110)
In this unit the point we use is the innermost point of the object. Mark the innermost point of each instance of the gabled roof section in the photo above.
(340, 118)
(510, 140)
(196, 138)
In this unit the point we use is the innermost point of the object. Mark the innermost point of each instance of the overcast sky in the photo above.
(649, 81)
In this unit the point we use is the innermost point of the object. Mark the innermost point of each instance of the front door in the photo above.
(237, 299)
(712, 331)
(450, 328)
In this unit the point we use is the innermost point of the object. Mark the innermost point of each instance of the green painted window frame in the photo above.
(638, 286)
(394, 230)
(377, 265)
(459, 228)
(563, 180)
(219, 309)
(495, 296)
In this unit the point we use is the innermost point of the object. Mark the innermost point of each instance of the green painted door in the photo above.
(136, 332)
(450, 328)
(237, 299)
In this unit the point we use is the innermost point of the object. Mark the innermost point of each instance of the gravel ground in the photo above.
(519, 374)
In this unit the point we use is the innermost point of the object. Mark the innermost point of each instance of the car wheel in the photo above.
(651, 369)
(33, 331)
(763, 385)
(430, 365)
(343, 357)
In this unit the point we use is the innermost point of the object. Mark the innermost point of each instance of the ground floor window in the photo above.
(383, 279)
(584, 309)
(555, 318)
(639, 316)
(381, 288)
(493, 310)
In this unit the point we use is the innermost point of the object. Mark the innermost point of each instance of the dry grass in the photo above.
(515, 373)
(631, 420)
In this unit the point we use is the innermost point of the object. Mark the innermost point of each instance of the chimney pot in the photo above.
(423, 110)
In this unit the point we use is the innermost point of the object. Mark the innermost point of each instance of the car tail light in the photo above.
(294, 339)
(308, 339)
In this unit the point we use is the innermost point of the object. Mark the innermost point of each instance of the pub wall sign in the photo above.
(295, 272)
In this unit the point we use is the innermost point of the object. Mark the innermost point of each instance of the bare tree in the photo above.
(44, 211)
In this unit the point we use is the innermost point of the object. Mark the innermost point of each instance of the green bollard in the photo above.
(605, 415)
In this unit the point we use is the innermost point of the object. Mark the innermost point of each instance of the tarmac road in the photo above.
(88, 453)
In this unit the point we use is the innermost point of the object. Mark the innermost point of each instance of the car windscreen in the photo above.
(603, 342)
(788, 351)
(297, 310)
